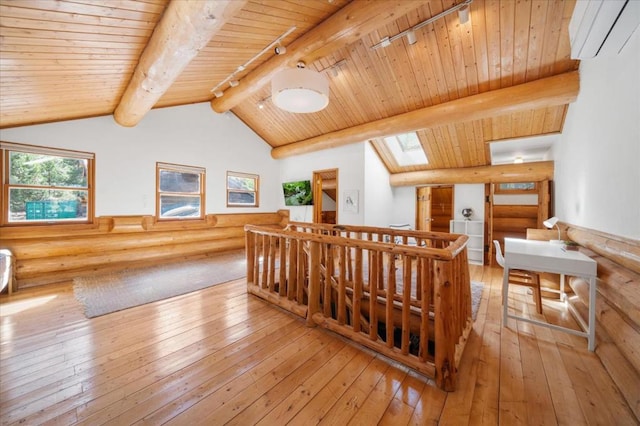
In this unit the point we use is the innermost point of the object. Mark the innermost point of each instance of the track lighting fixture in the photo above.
(462, 8)
(411, 37)
(463, 14)
(231, 79)
(218, 93)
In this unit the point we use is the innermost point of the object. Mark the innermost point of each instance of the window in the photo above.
(180, 191)
(517, 188)
(242, 189)
(406, 149)
(46, 185)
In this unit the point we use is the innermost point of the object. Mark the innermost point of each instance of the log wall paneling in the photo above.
(49, 254)
(617, 306)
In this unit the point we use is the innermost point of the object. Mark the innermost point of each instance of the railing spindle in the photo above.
(342, 290)
(391, 291)
(406, 303)
(282, 266)
(357, 291)
(292, 271)
(373, 296)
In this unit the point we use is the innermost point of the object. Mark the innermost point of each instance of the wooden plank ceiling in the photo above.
(68, 59)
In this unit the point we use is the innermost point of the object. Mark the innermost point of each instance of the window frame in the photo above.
(509, 191)
(243, 175)
(180, 168)
(6, 148)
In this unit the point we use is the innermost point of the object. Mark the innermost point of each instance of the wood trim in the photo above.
(537, 171)
(557, 90)
(253, 176)
(60, 152)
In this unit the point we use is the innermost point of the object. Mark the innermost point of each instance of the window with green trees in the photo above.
(46, 185)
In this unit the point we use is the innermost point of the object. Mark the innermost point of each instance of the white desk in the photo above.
(543, 256)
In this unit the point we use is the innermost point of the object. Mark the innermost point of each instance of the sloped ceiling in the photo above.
(68, 59)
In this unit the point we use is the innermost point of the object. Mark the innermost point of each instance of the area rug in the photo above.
(476, 297)
(106, 293)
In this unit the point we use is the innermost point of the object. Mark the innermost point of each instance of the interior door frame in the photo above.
(316, 185)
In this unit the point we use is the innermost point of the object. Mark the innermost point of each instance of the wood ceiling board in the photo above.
(93, 46)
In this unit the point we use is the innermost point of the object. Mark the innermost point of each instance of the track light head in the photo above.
(218, 93)
(411, 37)
(463, 14)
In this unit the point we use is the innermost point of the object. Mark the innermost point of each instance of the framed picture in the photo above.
(350, 201)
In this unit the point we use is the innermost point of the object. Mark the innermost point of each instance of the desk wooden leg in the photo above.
(592, 314)
(505, 297)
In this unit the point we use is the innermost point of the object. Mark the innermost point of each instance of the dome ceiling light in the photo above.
(300, 90)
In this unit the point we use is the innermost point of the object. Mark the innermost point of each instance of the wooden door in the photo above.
(423, 208)
(434, 208)
(441, 208)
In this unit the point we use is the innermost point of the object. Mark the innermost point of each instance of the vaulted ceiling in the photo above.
(504, 74)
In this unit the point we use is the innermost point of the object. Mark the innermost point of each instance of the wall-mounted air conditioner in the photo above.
(602, 26)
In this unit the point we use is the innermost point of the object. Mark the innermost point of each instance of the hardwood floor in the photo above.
(220, 356)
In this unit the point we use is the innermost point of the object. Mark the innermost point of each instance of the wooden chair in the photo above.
(522, 277)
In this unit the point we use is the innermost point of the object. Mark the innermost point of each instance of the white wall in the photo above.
(597, 169)
(126, 156)
(468, 195)
(516, 199)
(349, 160)
(378, 196)
(404, 206)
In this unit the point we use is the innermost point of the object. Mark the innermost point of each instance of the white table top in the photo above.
(544, 256)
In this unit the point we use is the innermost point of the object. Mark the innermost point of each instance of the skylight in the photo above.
(406, 149)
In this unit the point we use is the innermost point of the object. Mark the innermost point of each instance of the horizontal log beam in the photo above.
(504, 173)
(551, 91)
(348, 25)
(184, 29)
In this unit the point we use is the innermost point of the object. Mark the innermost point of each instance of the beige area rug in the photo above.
(106, 293)
(476, 297)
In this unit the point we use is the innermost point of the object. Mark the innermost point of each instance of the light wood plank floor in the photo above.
(220, 356)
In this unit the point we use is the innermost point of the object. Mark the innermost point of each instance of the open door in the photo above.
(325, 196)
(423, 208)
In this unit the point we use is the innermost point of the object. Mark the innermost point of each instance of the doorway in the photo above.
(434, 208)
(325, 196)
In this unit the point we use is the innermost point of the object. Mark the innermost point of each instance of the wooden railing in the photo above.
(405, 294)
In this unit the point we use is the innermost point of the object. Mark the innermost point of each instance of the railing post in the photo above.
(357, 292)
(250, 245)
(444, 326)
(282, 259)
(314, 282)
(292, 269)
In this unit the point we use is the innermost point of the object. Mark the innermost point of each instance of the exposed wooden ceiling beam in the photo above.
(503, 173)
(557, 90)
(349, 24)
(185, 27)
